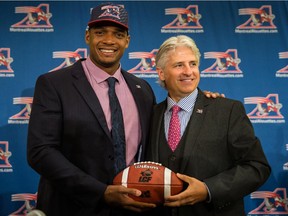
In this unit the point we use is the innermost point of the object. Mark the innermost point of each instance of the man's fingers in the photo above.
(139, 206)
(133, 192)
(210, 94)
(183, 177)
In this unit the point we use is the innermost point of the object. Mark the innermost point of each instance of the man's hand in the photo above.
(213, 94)
(118, 196)
(195, 192)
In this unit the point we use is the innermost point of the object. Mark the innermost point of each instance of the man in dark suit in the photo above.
(210, 143)
(69, 140)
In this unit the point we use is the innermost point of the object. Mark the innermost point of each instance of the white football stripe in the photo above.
(167, 182)
(125, 177)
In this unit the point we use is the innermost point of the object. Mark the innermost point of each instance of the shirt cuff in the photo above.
(208, 199)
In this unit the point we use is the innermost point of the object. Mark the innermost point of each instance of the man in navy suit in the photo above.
(210, 143)
(69, 140)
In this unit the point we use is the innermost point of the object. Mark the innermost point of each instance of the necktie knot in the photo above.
(175, 110)
(111, 82)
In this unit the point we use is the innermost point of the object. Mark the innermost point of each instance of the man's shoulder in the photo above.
(128, 75)
(160, 106)
(131, 78)
(76, 67)
(224, 104)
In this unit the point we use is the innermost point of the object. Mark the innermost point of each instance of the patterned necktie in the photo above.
(174, 134)
(117, 131)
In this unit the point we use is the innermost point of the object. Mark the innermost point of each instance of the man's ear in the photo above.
(160, 73)
(87, 36)
(128, 41)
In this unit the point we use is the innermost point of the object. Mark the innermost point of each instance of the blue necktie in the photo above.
(117, 131)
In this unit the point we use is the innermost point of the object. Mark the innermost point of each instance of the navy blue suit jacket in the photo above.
(69, 143)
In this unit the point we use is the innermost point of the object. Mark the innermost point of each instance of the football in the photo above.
(154, 180)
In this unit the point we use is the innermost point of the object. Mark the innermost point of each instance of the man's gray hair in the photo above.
(170, 45)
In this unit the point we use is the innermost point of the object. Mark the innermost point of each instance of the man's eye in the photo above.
(120, 35)
(99, 33)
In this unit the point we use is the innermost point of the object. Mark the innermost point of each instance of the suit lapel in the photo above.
(193, 129)
(83, 86)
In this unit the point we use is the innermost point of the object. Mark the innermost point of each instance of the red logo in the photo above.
(266, 107)
(185, 17)
(69, 57)
(36, 17)
(226, 64)
(5, 61)
(284, 71)
(146, 64)
(28, 205)
(274, 203)
(4, 155)
(258, 18)
(24, 115)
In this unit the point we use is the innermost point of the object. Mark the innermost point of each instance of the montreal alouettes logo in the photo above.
(36, 18)
(23, 116)
(146, 63)
(273, 202)
(185, 19)
(5, 63)
(111, 11)
(283, 72)
(258, 19)
(266, 109)
(226, 64)
(28, 200)
(5, 154)
(70, 57)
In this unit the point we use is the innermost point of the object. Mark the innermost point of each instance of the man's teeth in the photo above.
(107, 51)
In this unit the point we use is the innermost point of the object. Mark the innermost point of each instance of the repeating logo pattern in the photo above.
(5, 154)
(226, 64)
(37, 19)
(260, 20)
(70, 57)
(146, 66)
(28, 205)
(284, 71)
(258, 17)
(274, 202)
(267, 109)
(187, 20)
(23, 116)
(5, 63)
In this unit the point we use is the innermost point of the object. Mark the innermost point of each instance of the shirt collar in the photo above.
(100, 75)
(187, 103)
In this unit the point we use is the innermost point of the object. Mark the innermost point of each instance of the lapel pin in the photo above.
(200, 111)
(138, 86)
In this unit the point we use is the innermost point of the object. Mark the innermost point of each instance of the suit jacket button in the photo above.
(172, 157)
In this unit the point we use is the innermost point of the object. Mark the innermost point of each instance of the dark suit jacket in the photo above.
(69, 143)
(220, 148)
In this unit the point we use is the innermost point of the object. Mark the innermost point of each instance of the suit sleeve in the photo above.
(249, 167)
(44, 148)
